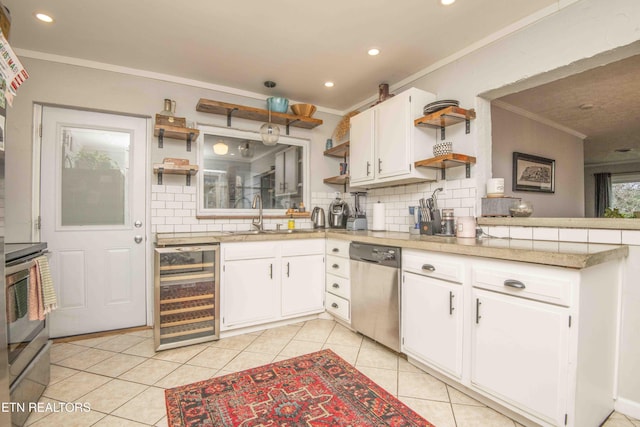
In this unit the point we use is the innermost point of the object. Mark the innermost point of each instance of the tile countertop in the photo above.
(560, 254)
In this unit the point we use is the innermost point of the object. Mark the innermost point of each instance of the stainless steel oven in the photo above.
(28, 343)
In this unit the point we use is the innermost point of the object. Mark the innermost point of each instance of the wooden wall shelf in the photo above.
(339, 180)
(162, 168)
(258, 114)
(448, 161)
(175, 132)
(447, 117)
(341, 150)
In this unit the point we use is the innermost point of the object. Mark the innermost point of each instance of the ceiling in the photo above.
(241, 44)
(612, 123)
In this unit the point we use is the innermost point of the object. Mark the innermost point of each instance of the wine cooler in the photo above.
(187, 288)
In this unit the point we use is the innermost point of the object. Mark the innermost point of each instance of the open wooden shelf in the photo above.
(339, 180)
(175, 132)
(171, 169)
(341, 150)
(447, 117)
(258, 114)
(447, 161)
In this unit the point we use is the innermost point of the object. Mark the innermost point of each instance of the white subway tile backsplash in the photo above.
(189, 190)
(158, 204)
(198, 228)
(500, 232)
(543, 233)
(214, 227)
(166, 197)
(175, 188)
(573, 235)
(189, 205)
(158, 189)
(158, 220)
(461, 193)
(182, 229)
(605, 236)
(630, 237)
(164, 228)
(521, 233)
(183, 197)
(173, 205)
(173, 220)
(165, 212)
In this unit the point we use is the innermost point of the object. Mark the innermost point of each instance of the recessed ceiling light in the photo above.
(373, 51)
(43, 17)
(447, 2)
(328, 84)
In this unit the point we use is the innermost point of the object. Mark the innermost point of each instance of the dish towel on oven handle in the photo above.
(42, 295)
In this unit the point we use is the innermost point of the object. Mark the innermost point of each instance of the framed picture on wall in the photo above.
(533, 173)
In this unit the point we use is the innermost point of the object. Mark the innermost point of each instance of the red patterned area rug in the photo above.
(317, 389)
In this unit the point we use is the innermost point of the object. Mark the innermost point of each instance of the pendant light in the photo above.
(220, 148)
(269, 132)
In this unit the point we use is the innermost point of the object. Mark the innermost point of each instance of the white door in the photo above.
(92, 217)
(432, 313)
(302, 284)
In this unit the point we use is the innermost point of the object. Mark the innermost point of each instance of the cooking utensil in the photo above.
(305, 110)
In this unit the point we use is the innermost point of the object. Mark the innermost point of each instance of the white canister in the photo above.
(495, 187)
(465, 226)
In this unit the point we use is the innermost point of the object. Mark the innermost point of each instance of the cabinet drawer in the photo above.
(338, 286)
(547, 284)
(303, 247)
(337, 306)
(338, 266)
(249, 250)
(446, 267)
(338, 248)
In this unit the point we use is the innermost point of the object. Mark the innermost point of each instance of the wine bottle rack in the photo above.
(187, 309)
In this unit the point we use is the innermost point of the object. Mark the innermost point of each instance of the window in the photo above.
(235, 166)
(626, 192)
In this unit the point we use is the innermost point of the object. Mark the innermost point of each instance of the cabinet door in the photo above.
(302, 284)
(280, 179)
(520, 352)
(249, 291)
(291, 170)
(361, 140)
(393, 137)
(432, 321)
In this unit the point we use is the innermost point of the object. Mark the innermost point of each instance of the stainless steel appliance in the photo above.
(28, 344)
(338, 213)
(5, 417)
(358, 219)
(375, 292)
(318, 218)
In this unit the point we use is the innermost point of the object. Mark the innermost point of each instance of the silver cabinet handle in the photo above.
(336, 266)
(137, 239)
(288, 268)
(451, 296)
(270, 271)
(478, 317)
(335, 285)
(334, 305)
(379, 165)
(368, 168)
(429, 267)
(514, 284)
(335, 250)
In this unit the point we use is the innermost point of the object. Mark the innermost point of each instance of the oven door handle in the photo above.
(8, 271)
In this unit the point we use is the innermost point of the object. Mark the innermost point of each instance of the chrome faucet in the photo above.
(257, 204)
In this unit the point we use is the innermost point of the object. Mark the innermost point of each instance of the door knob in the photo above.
(138, 224)
(138, 239)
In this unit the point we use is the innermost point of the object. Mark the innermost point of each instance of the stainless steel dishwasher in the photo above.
(375, 292)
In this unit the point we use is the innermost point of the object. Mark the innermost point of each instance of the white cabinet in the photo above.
(384, 143)
(268, 281)
(432, 310)
(338, 283)
(287, 172)
(302, 284)
(520, 352)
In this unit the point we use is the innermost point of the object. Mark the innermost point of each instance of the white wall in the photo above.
(512, 132)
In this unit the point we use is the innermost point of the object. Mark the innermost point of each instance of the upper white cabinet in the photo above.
(384, 142)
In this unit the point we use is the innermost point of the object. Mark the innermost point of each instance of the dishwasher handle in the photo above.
(371, 261)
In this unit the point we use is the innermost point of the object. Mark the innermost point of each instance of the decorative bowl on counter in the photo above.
(278, 104)
(521, 209)
(304, 110)
(442, 148)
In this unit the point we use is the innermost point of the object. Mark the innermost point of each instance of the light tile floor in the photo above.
(123, 379)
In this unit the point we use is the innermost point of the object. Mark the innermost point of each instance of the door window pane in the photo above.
(94, 177)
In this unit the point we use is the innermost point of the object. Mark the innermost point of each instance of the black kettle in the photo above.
(317, 217)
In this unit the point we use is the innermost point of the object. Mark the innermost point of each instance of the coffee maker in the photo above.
(338, 213)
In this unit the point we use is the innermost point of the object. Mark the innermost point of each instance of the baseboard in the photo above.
(627, 407)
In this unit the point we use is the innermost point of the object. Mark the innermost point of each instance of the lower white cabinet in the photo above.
(338, 281)
(520, 353)
(302, 284)
(432, 321)
(263, 282)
